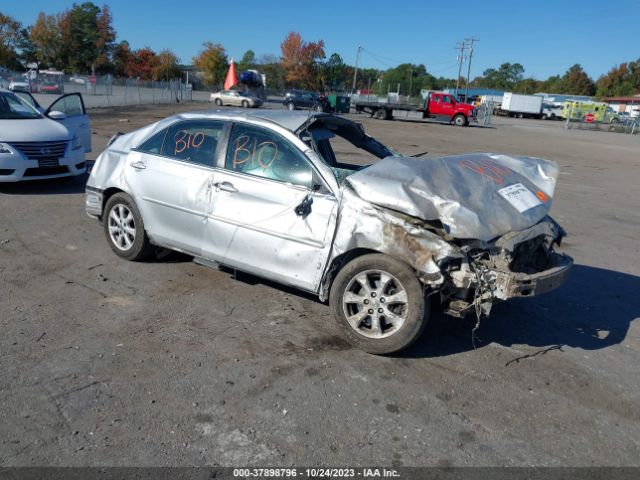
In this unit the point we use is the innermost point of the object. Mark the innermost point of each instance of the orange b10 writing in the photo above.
(253, 152)
(185, 140)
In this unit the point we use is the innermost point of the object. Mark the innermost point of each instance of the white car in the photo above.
(35, 145)
(19, 86)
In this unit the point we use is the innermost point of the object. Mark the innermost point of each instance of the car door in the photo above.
(236, 98)
(77, 120)
(170, 176)
(446, 106)
(271, 213)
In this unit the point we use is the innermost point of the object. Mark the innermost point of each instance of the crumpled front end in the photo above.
(518, 264)
(469, 275)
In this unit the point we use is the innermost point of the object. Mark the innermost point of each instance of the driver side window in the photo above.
(257, 151)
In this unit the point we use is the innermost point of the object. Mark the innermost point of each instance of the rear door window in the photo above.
(193, 141)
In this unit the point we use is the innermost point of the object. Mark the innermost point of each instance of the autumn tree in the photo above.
(166, 66)
(621, 80)
(105, 42)
(576, 82)
(141, 64)
(212, 60)
(47, 38)
(11, 35)
(121, 57)
(300, 60)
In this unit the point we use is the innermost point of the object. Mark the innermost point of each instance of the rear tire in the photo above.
(460, 120)
(380, 114)
(124, 228)
(245, 104)
(379, 303)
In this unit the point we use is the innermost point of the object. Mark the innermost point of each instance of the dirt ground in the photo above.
(106, 362)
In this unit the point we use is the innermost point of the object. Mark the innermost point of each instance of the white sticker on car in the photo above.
(520, 197)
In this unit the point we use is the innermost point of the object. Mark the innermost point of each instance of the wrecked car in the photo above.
(265, 193)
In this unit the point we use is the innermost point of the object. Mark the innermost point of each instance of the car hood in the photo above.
(475, 196)
(32, 130)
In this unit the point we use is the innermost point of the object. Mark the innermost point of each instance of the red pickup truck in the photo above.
(439, 106)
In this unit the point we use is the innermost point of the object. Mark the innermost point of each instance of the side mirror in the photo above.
(56, 115)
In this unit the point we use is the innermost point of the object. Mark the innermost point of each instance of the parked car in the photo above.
(80, 80)
(263, 192)
(49, 86)
(22, 86)
(302, 99)
(35, 145)
(235, 98)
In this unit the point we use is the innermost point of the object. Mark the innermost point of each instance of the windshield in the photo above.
(14, 108)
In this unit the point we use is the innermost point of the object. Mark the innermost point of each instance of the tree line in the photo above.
(82, 39)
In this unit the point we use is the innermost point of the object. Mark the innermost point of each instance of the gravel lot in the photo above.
(105, 362)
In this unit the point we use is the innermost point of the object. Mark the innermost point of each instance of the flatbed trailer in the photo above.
(439, 107)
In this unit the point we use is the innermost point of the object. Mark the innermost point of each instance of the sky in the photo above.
(545, 36)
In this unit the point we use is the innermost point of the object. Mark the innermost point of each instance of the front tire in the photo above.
(459, 120)
(124, 228)
(379, 303)
(290, 106)
(218, 102)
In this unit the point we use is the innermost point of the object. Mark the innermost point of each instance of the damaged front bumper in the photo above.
(511, 285)
(519, 264)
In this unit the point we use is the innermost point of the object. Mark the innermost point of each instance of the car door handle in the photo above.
(225, 186)
(139, 165)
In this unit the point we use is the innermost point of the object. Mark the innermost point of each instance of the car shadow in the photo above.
(53, 186)
(592, 311)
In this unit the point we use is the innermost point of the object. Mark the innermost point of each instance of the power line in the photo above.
(466, 91)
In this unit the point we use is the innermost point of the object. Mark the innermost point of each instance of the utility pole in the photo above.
(460, 46)
(466, 91)
(355, 72)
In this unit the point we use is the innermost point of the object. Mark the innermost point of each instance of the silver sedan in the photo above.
(235, 99)
(265, 193)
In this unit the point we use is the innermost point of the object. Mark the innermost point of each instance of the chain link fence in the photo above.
(629, 126)
(100, 90)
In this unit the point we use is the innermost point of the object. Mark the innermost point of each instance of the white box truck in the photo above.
(521, 106)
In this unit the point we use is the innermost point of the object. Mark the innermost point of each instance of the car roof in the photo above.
(291, 120)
